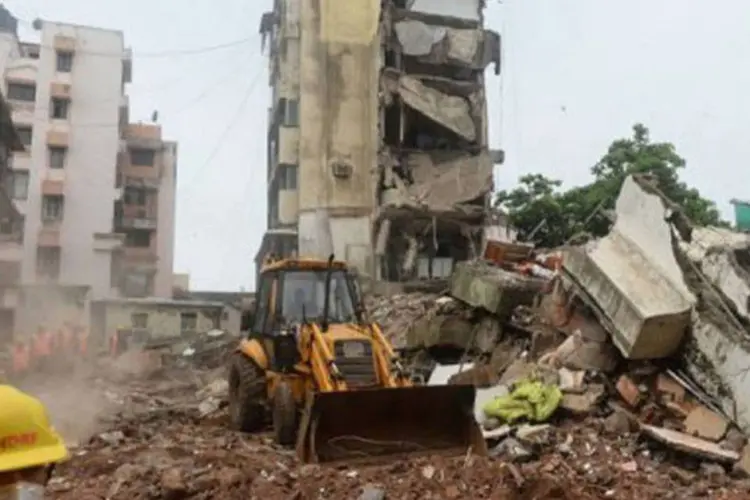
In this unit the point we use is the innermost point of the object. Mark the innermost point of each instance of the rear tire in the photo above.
(284, 415)
(247, 394)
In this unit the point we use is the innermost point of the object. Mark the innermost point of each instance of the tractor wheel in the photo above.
(284, 415)
(247, 394)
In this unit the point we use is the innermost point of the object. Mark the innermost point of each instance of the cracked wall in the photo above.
(434, 172)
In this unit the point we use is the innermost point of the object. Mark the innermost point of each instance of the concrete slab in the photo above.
(493, 289)
(691, 445)
(633, 277)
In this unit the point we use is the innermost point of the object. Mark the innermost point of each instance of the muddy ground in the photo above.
(165, 435)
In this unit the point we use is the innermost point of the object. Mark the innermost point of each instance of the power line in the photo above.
(40, 112)
(230, 125)
(158, 54)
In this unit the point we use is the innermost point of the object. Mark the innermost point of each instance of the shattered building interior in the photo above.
(435, 167)
(416, 198)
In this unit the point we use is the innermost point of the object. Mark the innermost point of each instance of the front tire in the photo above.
(284, 415)
(247, 393)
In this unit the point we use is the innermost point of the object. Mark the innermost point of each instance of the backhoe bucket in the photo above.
(373, 423)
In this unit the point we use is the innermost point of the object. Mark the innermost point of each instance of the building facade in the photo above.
(377, 143)
(97, 194)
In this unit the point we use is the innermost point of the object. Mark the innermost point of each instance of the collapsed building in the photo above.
(377, 142)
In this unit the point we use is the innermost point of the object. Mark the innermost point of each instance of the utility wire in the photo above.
(40, 114)
(230, 125)
(158, 54)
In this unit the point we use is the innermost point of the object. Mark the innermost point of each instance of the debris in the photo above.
(493, 289)
(617, 423)
(512, 450)
(667, 387)
(691, 445)
(371, 492)
(581, 404)
(173, 485)
(704, 423)
(571, 381)
(533, 434)
(629, 391)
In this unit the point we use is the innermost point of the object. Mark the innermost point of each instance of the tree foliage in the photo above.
(550, 217)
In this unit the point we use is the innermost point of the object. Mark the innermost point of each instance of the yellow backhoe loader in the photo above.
(330, 380)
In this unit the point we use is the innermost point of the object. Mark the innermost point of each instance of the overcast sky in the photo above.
(576, 75)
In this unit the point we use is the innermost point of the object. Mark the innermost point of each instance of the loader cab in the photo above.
(292, 293)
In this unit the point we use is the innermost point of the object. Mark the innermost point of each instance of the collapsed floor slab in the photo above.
(493, 289)
(634, 279)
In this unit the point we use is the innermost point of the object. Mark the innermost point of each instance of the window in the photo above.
(24, 134)
(48, 262)
(138, 238)
(304, 297)
(188, 322)
(64, 61)
(135, 196)
(12, 226)
(18, 184)
(142, 157)
(287, 176)
(263, 303)
(139, 320)
(52, 208)
(57, 156)
(59, 108)
(291, 114)
(22, 92)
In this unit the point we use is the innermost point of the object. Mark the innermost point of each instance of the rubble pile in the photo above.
(161, 443)
(616, 369)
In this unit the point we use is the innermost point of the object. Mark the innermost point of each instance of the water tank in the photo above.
(742, 215)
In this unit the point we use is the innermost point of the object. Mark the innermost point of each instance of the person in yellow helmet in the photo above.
(29, 446)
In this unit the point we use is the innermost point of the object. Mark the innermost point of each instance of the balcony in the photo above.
(144, 135)
(60, 90)
(49, 235)
(53, 187)
(138, 222)
(64, 43)
(58, 138)
(289, 145)
(140, 182)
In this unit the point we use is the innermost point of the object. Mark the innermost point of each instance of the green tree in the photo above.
(583, 209)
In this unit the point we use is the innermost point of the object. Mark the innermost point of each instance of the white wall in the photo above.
(89, 174)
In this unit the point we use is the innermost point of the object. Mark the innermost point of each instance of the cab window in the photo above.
(304, 297)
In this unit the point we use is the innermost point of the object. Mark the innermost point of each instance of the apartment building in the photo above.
(96, 193)
(377, 140)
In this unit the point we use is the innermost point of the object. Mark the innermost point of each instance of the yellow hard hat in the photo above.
(26, 437)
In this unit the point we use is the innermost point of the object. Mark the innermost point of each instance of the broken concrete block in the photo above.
(669, 389)
(493, 289)
(633, 277)
(717, 359)
(743, 466)
(571, 381)
(705, 423)
(628, 391)
(582, 404)
(581, 353)
(691, 445)
(723, 256)
(441, 330)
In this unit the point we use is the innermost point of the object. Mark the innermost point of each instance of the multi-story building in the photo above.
(96, 194)
(11, 225)
(145, 214)
(377, 142)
